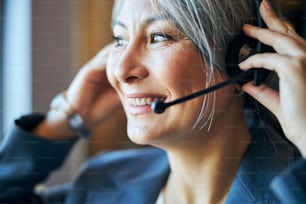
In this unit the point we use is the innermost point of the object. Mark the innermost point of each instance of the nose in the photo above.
(131, 67)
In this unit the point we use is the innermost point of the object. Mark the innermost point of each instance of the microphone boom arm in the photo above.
(159, 106)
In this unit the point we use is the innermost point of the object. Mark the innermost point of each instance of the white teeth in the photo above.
(149, 101)
(142, 101)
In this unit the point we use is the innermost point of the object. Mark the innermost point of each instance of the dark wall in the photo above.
(52, 50)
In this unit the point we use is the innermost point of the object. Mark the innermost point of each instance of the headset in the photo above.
(240, 48)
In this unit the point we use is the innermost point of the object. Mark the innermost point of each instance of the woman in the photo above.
(215, 151)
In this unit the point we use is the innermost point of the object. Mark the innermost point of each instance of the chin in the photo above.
(143, 135)
(139, 137)
(153, 136)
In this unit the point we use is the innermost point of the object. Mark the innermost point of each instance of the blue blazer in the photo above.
(137, 176)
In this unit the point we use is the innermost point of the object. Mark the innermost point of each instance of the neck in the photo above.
(203, 169)
(205, 175)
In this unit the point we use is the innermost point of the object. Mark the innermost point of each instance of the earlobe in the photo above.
(238, 90)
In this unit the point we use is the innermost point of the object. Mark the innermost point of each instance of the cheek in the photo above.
(110, 70)
(182, 71)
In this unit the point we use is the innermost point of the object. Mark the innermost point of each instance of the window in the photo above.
(16, 62)
(1, 67)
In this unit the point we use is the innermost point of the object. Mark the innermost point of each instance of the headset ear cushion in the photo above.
(240, 48)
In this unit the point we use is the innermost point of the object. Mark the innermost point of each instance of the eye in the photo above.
(120, 41)
(160, 37)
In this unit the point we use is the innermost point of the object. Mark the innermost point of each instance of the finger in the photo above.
(270, 61)
(281, 43)
(99, 58)
(264, 95)
(290, 28)
(271, 19)
(90, 79)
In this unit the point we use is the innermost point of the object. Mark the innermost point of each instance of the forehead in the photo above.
(134, 9)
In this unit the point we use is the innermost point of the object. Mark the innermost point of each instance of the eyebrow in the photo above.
(146, 22)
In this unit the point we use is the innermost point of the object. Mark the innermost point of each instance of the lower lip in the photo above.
(139, 110)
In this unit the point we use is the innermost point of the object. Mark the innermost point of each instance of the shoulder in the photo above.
(125, 166)
(120, 158)
(268, 155)
(290, 186)
(136, 175)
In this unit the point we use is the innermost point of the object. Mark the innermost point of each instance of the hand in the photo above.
(90, 93)
(289, 62)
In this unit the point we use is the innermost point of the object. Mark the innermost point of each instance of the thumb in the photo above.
(265, 95)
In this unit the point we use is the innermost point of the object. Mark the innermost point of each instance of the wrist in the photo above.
(54, 127)
(62, 121)
(74, 120)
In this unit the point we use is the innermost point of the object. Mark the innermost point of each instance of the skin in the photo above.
(142, 68)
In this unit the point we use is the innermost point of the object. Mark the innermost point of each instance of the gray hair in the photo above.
(210, 25)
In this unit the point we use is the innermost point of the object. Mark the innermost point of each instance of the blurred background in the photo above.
(45, 42)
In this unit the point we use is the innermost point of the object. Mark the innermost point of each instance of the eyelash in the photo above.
(120, 41)
(164, 37)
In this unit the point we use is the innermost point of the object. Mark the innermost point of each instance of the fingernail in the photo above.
(267, 5)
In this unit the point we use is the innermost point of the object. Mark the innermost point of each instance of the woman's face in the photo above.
(152, 59)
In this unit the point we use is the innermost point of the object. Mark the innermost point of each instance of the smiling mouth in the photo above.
(146, 101)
